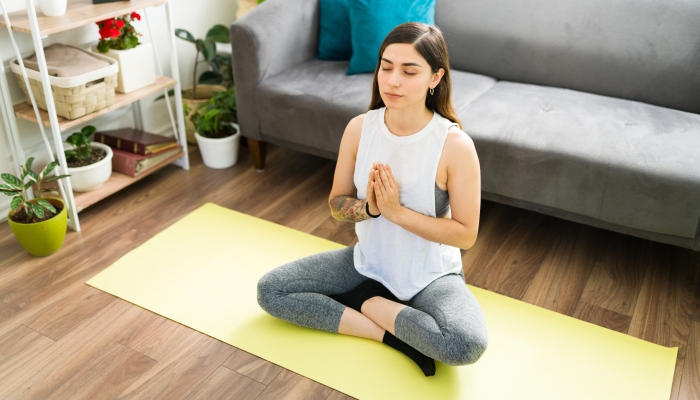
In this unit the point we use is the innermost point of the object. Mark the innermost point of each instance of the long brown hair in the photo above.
(430, 44)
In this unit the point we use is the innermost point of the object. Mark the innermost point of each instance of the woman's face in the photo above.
(404, 76)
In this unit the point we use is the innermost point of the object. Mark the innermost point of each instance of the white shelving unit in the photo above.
(81, 13)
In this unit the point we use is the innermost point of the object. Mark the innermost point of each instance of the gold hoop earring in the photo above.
(431, 91)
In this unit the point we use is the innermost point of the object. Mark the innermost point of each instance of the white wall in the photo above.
(196, 19)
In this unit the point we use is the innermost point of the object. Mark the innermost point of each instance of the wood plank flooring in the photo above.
(62, 339)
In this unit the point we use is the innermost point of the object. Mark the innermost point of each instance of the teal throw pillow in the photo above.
(334, 42)
(372, 20)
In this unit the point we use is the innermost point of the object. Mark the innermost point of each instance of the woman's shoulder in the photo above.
(457, 137)
(458, 143)
(355, 125)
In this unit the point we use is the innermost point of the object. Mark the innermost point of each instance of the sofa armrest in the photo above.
(274, 36)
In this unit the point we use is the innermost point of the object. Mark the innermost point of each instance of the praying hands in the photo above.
(384, 191)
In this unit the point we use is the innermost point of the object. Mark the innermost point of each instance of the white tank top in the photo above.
(402, 261)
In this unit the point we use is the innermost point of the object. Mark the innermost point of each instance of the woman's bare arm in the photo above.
(343, 201)
(348, 208)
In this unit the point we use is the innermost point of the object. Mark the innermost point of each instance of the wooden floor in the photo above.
(60, 338)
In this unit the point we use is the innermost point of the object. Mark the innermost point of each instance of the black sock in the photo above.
(426, 364)
(363, 292)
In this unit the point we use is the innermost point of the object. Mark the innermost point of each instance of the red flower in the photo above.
(135, 15)
(104, 33)
(114, 33)
(119, 23)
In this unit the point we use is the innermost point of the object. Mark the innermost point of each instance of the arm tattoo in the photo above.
(347, 208)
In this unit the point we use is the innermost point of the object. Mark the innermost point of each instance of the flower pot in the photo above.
(136, 68)
(53, 8)
(219, 153)
(91, 177)
(204, 92)
(42, 238)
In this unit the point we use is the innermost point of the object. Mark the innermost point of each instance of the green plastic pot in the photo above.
(45, 237)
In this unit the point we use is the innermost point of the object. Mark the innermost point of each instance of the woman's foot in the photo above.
(426, 364)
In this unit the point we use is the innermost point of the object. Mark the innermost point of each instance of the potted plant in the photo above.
(89, 163)
(120, 41)
(38, 224)
(217, 78)
(217, 133)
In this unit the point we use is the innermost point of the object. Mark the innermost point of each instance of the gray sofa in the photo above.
(587, 111)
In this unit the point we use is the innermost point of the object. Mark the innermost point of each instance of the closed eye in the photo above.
(406, 72)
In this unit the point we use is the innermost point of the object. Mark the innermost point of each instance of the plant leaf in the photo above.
(53, 178)
(11, 193)
(16, 203)
(38, 210)
(46, 205)
(208, 49)
(89, 130)
(103, 46)
(219, 33)
(32, 175)
(50, 167)
(210, 78)
(28, 164)
(183, 34)
(12, 180)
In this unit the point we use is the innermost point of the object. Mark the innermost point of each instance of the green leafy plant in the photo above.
(81, 143)
(220, 72)
(213, 119)
(118, 33)
(17, 188)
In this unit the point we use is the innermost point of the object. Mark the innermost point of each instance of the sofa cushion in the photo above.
(317, 96)
(334, 40)
(615, 160)
(372, 20)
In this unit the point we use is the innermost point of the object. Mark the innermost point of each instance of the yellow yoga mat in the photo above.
(202, 272)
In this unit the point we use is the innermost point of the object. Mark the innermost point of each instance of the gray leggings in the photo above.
(443, 321)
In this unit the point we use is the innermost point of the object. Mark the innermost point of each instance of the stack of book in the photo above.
(136, 151)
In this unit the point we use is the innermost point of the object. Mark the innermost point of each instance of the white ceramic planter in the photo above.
(53, 8)
(91, 177)
(219, 153)
(136, 68)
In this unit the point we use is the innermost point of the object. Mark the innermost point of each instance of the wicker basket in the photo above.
(74, 96)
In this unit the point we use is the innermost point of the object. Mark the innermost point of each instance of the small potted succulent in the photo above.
(120, 41)
(89, 163)
(217, 133)
(38, 224)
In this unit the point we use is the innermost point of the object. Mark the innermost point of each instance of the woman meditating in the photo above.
(418, 191)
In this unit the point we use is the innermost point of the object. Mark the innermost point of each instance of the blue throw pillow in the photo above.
(334, 42)
(372, 20)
